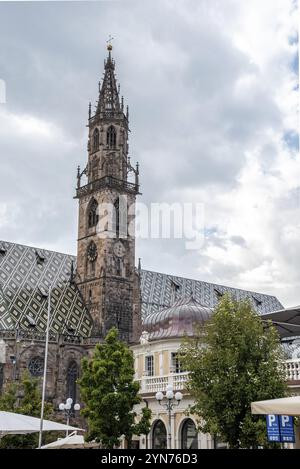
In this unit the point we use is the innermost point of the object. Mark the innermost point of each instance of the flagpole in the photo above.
(45, 368)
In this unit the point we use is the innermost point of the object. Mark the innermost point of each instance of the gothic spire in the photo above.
(109, 101)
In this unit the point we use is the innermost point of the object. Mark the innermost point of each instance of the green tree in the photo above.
(23, 398)
(109, 392)
(234, 359)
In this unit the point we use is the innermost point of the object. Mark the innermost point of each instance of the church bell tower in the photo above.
(106, 273)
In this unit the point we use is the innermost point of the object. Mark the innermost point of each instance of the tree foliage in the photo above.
(110, 393)
(233, 360)
(23, 397)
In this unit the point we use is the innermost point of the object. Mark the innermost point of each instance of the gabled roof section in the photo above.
(26, 274)
(158, 293)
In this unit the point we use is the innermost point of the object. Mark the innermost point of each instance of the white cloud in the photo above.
(212, 98)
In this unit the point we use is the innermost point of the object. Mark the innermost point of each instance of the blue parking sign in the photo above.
(273, 429)
(280, 428)
(286, 424)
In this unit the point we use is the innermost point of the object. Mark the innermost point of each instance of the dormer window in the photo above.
(30, 320)
(175, 290)
(40, 257)
(257, 301)
(219, 293)
(111, 137)
(2, 249)
(43, 292)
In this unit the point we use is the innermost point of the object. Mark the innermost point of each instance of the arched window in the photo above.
(189, 438)
(36, 366)
(116, 218)
(118, 266)
(111, 137)
(159, 435)
(96, 140)
(120, 218)
(72, 375)
(93, 214)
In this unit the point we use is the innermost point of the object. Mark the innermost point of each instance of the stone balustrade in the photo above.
(152, 384)
(292, 369)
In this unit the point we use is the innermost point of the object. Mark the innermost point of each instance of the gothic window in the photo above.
(111, 137)
(95, 140)
(36, 366)
(159, 435)
(119, 221)
(72, 375)
(92, 214)
(189, 438)
(116, 218)
(118, 267)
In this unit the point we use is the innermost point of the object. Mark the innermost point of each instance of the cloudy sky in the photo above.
(213, 95)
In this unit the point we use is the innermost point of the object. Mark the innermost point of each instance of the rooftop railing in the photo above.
(106, 181)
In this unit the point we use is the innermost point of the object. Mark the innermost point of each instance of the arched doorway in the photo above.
(159, 435)
(189, 435)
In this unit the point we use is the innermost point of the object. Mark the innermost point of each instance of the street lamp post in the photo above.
(45, 367)
(67, 407)
(172, 401)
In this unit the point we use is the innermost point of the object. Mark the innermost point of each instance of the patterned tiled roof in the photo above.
(26, 273)
(161, 290)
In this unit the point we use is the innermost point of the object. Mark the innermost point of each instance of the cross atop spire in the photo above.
(108, 42)
(109, 100)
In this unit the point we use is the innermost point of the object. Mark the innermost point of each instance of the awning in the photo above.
(71, 441)
(283, 406)
(287, 321)
(15, 424)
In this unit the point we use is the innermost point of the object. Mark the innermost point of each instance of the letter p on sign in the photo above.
(272, 419)
(284, 419)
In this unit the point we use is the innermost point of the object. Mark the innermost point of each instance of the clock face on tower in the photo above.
(92, 252)
(119, 249)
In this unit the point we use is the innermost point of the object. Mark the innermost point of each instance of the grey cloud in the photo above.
(239, 240)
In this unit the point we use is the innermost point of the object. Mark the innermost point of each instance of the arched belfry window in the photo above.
(116, 218)
(111, 137)
(120, 218)
(72, 375)
(93, 213)
(96, 140)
